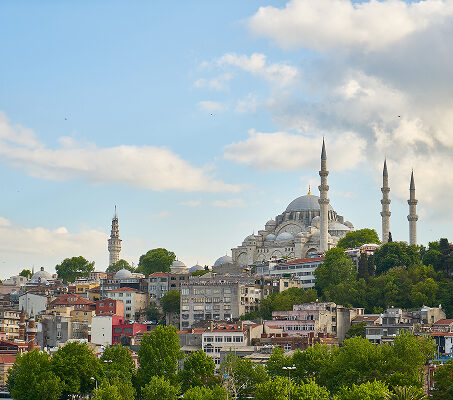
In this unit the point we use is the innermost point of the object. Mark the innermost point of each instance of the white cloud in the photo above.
(211, 106)
(22, 247)
(218, 83)
(149, 167)
(342, 24)
(191, 203)
(248, 104)
(284, 151)
(230, 203)
(280, 74)
(162, 214)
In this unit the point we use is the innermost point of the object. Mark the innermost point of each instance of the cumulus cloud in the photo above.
(41, 246)
(342, 24)
(282, 151)
(149, 167)
(230, 203)
(278, 73)
(217, 83)
(211, 106)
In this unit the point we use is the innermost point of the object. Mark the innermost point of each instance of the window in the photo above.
(208, 291)
(185, 308)
(128, 295)
(128, 301)
(238, 339)
(287, 346)
(208, 307)
(111, 304)
(227, 299)
(128, 315)
(228, 339)
(128, 308)
(102, 304)
(208, 339)
(219, 339)
(120, 294)
(227, 307)
(117, 330)
(184, 291)
(127, 330)
(227, 290)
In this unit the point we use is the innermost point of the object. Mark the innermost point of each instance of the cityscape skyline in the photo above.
(200, 138)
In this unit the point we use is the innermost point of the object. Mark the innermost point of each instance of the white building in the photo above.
(101, 329)
(32, 303)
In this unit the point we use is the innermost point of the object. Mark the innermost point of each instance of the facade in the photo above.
(158, 284)
(308, 225)
(110, 307)
(32, 303)
(134, 301)
(315, 318)
(102, 328)
(54, 330)
(9, 323)
(73, 301)
(127, 331)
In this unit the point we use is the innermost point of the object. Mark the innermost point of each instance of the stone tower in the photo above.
(385, 213)
(114, 243)
(412, 217)
(323, 201)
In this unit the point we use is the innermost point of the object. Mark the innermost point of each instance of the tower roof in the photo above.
(412, 187)
(385, 172)
(323, 152)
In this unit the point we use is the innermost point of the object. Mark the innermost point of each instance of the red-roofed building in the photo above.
(444, 342)
(443, 325)
(110, 307)
(127, 331)
(134, 301)
(74, 301)
(8, 353)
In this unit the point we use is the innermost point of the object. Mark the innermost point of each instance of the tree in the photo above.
(363, 269)
(202, 393)
(72, 268)
(443, 378)
(159, 388)
(311, 362)
(120, 264)
(395, 254)
(118, 363)
(406, 393)
(152, 312)
(285, 300)
(159, 354)
(198, 370)
(434, 258)
(26, 273)
(170, 301)
(201, 272)
(358, 238)
(106, 392)
(277, 361)
(356, 330)
(336, 268)
(281, 388)
(241, 376)
(375, 390)
(75, 364)
(156, 260)
(31, 377)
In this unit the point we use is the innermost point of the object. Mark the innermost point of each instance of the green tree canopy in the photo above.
(106, 392)
(170, 301)
(118, 363)
(356, 330)
(375, 390)
(120, 264)
(444, 382)
(72, 268)
(337, 268)
(281, 388)
(152, 312)
(26, 273)
(407, 393)
(31, 377)
(75, 364)
(395, 254)
(156, 260)
(311, 362)
(358, 238)
(277, 361)
(198, 370)
(159, 388)
(159, 354)
(202, 393)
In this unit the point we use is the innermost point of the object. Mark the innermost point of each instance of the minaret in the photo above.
(114, 243)
(385, 213)
(412, 217)
(323, 201)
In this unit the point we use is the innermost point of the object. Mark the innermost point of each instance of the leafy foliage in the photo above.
(358, 238)
(202, 393)
(280, 388)
(285, 300)
(152, 312)
(26, 273)
(357, 330)
(395, 254)
(120, 264)
(72, 268)
(375, 390)
(118, 363)
(31, 377)
(444, 382)
(170, 301)
(198, 370)
(156, 260)
(159, 388)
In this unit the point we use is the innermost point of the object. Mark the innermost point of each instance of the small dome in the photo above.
(223, 260)
(123, 274)
(270, 225)
(178, 267)
(177, 263)
(195, 268)
(284, 236)
(305, 203)
(270, 237)
(349, 224)
(250, 238)
(41, 274)
(337, 226)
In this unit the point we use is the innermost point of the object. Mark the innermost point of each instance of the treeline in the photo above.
(357, 370)
(396, 275)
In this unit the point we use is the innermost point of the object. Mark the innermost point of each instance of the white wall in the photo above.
(32, 303)
(101, 330)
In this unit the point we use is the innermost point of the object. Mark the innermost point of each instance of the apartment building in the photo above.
(134, 301)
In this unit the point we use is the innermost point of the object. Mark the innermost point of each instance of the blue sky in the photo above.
(202, 120)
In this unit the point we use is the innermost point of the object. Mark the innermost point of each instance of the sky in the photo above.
(202, 120)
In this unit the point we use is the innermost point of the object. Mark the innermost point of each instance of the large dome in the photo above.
(284, 236)
(223, 260)
(124, 274)
(178, 267)
(41, 274)
(305, 203)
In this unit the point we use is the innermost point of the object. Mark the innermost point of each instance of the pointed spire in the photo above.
(309, 190)
(385, 172)
(412, 187)
(115, 215)
(323, 152)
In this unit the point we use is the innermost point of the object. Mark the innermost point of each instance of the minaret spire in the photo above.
(412, 217)
(114, 243)
(385, 213)
(323, 201)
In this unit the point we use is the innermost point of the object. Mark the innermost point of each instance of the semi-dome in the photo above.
(308, 202)
(316, 235)
(250, 238)
(349, 224)
(270, 224)
(337, 226)
(223, 260)
(41, 274)
(284, 236)
(270, 237)
(123, 274)
(196, 268)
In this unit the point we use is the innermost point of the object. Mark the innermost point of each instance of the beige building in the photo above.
(134, 301)
(9, 323)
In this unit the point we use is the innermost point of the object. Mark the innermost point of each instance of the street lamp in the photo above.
(96, 382)
(289, 369)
